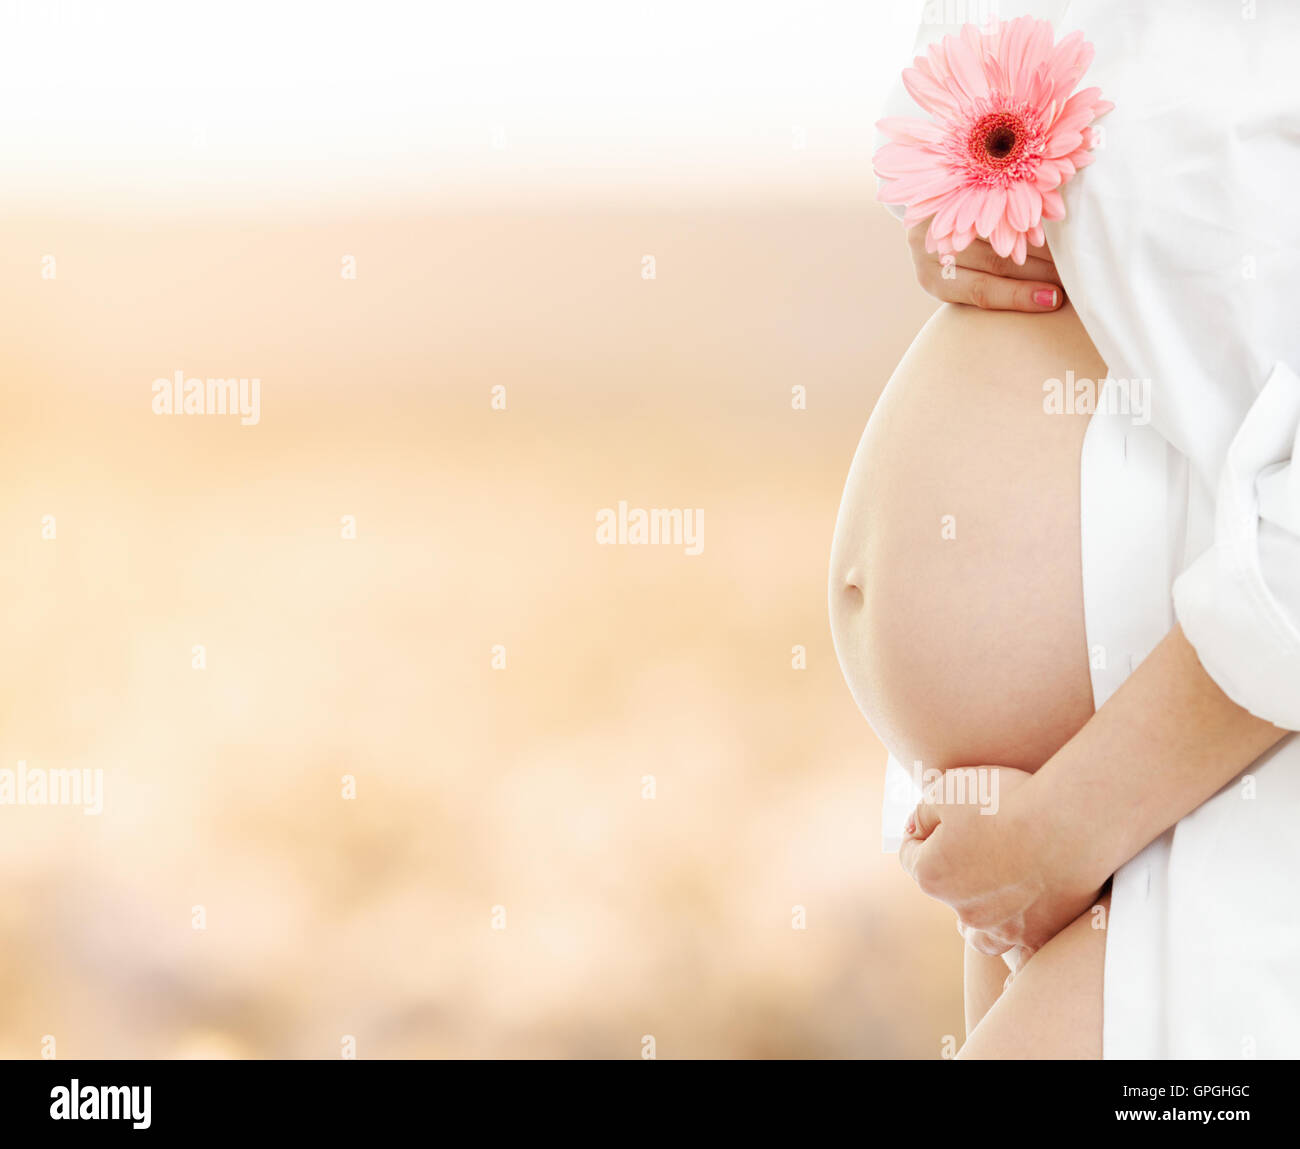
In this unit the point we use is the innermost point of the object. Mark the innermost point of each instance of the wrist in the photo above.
(1068, 845)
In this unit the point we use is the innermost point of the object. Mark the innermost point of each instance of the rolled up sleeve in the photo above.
(1239, 602)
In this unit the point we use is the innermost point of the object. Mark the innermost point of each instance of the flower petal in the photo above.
(1020, 205)
(927, 92)
(894, 160)
(961, 240)
(1038, 51)
(917, 212)
(1063, 143)
(1003, 238)
(925, 166)
(910, 130)
(1078, 111)
(992, 210)
(915, 186)
(945, 218)
(1017, 62)
(1049, 177)
(969, 210)
(965, 68)
(923, 209)
(1068, 62)
(936, 66)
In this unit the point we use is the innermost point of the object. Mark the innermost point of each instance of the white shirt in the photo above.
(1180, 251)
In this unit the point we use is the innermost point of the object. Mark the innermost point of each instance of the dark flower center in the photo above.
(997, 140)
(999, 143)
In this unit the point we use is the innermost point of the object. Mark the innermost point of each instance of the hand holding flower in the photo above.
(979, 277)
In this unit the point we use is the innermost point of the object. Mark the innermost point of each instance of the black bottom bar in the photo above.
(375, 1098)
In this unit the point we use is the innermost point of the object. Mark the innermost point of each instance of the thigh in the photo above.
(1052, 1008)
(983, 979)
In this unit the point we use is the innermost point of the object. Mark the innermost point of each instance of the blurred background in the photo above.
(466, 784)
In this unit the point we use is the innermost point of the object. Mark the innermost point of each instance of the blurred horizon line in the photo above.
(631, 192)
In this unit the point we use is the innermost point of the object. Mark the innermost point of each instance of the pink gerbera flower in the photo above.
(1003, 139)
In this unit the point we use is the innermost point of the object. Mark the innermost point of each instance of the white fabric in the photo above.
(1179, 251)
(901, 798)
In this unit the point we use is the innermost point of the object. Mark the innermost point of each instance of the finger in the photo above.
(980, 256)
(909, 855)
(925, 818)
(924, 821)
(997, 293)
(915, 855)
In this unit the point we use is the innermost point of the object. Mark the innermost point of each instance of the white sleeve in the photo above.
(1239, 602)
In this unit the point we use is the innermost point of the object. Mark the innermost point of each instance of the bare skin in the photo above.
(984, 976)
(1028, 881)
(1163, 743)
(956, 590)
(979, 277)
(962, 483)
(1052, 1008)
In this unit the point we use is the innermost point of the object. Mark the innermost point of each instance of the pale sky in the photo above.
(159, 100)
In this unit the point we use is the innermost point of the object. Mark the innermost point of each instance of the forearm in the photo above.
(1166, 741)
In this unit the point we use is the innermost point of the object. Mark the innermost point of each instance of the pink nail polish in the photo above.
(910, 827)
(1045, 298)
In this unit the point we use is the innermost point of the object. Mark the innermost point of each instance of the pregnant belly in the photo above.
(956, 591)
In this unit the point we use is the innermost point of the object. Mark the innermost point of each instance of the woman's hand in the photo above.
(1014, 878)
(1163, 743)
(982, 278)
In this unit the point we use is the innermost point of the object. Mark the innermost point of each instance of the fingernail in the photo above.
(1045, 298)
(910, 827)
